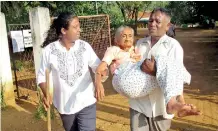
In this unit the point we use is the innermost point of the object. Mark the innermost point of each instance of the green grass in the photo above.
(41, 112)
(3, 105)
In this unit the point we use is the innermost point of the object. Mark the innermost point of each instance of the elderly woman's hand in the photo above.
(149, 67)
(136, 57)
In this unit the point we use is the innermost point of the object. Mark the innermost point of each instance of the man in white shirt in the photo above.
(149, 113)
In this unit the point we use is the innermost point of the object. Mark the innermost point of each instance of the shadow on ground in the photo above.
(21, 117)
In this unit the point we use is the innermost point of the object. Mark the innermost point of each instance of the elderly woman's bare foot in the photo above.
(188, 110)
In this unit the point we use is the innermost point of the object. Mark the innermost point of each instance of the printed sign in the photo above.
(17, 41)
(27, 38)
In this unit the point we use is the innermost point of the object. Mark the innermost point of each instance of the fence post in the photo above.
(39, 23)
(6, 81)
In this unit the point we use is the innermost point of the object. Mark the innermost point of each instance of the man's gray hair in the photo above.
(120, 29)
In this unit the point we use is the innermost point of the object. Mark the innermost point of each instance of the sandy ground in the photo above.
(201, 59)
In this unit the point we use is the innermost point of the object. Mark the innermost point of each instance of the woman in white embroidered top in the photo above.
(69, 59)
(129, 80)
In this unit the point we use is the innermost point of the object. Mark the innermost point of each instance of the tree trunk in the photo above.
(124, 15)
(136, 21)
(122, 11)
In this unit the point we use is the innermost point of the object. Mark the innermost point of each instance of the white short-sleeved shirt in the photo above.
(72, 82)
(153, 105)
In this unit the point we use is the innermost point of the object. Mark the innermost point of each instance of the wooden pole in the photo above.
(48, 98)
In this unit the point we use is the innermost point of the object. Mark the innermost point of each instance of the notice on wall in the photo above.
(17, 41)
(27, 38)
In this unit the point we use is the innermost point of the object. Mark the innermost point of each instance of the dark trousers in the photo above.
(84, 120)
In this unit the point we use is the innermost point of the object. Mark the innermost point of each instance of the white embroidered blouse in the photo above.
(73, 88)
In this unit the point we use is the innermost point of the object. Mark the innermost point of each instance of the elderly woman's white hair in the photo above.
(119, 30)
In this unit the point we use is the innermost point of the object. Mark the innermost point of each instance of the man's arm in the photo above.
(149, 66)
(178, 54)
(176, 51)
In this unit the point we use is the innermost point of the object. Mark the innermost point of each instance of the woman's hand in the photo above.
(99, 91)
(46, 102)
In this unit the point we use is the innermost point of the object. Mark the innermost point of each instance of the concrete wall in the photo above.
(6, 81)
(39, 23)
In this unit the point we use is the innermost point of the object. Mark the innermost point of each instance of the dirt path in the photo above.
(201, 59)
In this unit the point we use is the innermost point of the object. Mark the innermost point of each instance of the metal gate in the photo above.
(96, 31)
(22, 64)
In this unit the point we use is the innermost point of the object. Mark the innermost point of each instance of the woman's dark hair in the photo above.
(54, 32)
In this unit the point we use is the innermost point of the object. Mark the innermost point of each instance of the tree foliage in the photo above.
(192, 11)
(181, 11)
(130, 10)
